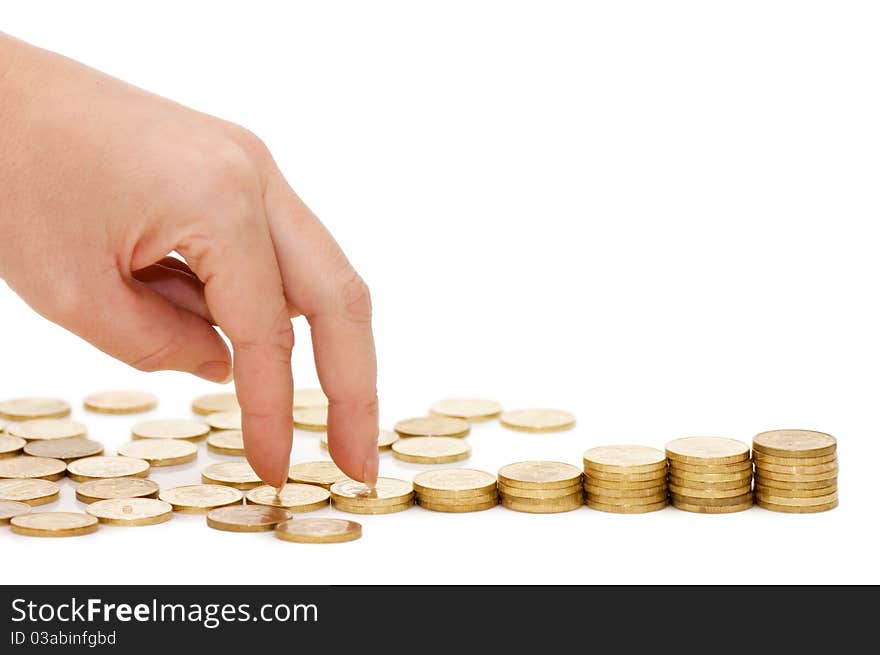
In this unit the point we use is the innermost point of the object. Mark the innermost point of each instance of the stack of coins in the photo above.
(709, 475)
(795, 471)
(625, 479)
(540, 487)
(456, 490)
(389, 495)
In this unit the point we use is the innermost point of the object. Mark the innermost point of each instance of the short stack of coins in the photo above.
(456, 490)
(540, 487)
(795, 471)
(625, 479)
(710, 475)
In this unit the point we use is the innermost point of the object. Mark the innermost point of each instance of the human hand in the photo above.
(101, 181)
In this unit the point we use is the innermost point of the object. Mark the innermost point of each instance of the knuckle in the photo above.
(355, 299)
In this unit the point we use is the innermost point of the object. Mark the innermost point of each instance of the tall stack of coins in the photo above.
(795, 471)
(540, 487)
(625, 479)
(710, 475)
(455, 490)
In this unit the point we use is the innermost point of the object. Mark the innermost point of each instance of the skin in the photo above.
(110, 180)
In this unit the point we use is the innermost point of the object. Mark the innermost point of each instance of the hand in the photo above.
(100, 182)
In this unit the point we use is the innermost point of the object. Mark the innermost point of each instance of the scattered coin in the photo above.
(303, 398)
(226, 442)
(66, 450)
(130, 511)
(120, 402)
(48, 428)
(199, 498)
(795, 443)
(246, 518)
(538, 420)
(91, 468)
(54, 524)
(432, 426)
(25, 466)
(322, 473)
(2, 425)
(183, 429)
(431, 450)
(213, 403)
(224, 420)
(384, 442)
(111, 488)
(23, 409)
(467, 409)
(161, 452)
(313, 419)
(318, 530)
(33, 492)
(236, 473)
(10, 446)
(295, 497)
(9, 509)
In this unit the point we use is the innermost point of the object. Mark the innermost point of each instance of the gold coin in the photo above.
(538, 420)
(710, 477)
(48, 428)
(659, 474)
(23, 409)
(457, 508)
(795, 493)
(623, 486)
(432, 426)
(388, 491)
(797, 477)
(467, 409)
(200, 498)
(617, 500)
(224, 420)
(90, 468)
(761, 459)
(798, 470)
(10, 446)
(564, 504)
(237, 473)
(32, 492)
(384, 442)
(247, 518)
(170, 429)
(605, 492)
(707, 450)
(545, 494)
(112, 488)
(160, 452)
(712, 509)
(626, 509)
(354, 508)
(54, 524)
(25, 466)
(313, 419)
(624, 459)
(792, 509)
(539, 475)
(778, 484)
(736, 467)
(120, 402)
(322, 473)
(9, 509)
(712, 502)
(709, 486)
(215, 402)
(318, 530)
(66, 450)
(431, 450)
(709, 493)
(226, 442)
(303, 398)
(795, 443)
(797, 502)
(294, 497)
(2, 425)
(454, 483)
(130, 511)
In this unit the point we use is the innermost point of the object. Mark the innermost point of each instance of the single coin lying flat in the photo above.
(321, 473)
(200, 498)
(25, 466)
(48, 428)
(384, 442)
(215, 402)
(110, 488)
(538, 420)
(130, 511)
(10, 446)
(120, 402)
(9, 509)
(432, 426)
(224, 420)
(54, 524)
(237, 473)
(23, 409)
(431, 450)
(246, 518)
(184, 429)
(91, 468)
(318, 530)
(226, 442)
(33, 492)
(467, 409)
(161, 452)
(293, 496)
(66, 450)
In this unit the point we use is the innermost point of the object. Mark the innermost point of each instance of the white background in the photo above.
(660, 216)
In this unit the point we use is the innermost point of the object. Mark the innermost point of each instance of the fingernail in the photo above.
(371, 468)
(215, 371)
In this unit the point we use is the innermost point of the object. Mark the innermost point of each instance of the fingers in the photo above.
(321, 283)
(180, 287)
(133, 323)
(244, 294)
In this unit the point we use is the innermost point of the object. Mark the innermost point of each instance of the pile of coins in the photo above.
(709, 475)
(540, 487)
(625, 479)
(388, 496)
(456, 490)
(795, 471)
